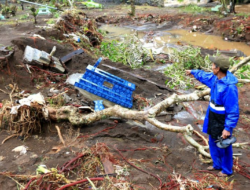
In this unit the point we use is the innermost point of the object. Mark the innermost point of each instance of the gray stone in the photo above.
(22, 159)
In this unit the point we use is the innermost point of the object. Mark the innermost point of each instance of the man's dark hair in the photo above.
(223, 70)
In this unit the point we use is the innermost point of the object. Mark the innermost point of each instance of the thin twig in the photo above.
(9, 137)
(91, 183)
(60, 94)
(59, 134)
(16, 182)
(4, 91)
(13, 89)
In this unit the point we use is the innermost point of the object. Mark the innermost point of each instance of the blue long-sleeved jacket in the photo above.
(224, 92)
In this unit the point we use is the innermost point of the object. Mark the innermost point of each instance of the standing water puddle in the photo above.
(160, 41)
(202, 40)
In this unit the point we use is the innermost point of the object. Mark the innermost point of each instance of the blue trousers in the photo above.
(222, 157)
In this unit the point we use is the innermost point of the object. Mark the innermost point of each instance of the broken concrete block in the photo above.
(39, 58)
(56, 65)
(34, 56)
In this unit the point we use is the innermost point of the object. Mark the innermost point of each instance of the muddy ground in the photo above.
(164, 152)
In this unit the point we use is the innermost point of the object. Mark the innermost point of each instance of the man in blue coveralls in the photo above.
(222, 113)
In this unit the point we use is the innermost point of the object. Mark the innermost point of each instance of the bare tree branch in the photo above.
(240, 64)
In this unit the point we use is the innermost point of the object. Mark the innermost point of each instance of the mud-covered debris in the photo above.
(108, 166)
(5, 54)
(78, 23)
(107, 86)
(21, 149)
(39, 36)
(85, 109)
(39, 58)
(34, 56)
(56, 66)
(69, 56)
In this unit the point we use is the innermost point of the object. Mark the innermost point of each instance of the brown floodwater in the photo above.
(242, 8)
(162, 39)
(202, 40)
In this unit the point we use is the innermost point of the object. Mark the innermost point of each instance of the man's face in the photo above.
(215, 69)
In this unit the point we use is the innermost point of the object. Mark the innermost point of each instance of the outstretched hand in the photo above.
(188, 72)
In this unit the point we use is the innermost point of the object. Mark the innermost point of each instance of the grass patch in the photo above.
(24, 17)
(51, 21)
(194, 9)
(245, 15)
(12, 22)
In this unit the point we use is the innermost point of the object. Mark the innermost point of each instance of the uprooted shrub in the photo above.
(13, 10)
(26, 120)
(77, 23)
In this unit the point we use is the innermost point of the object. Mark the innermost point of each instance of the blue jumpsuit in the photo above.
(222, 113)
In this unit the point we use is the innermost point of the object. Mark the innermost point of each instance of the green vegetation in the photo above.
(24, 17)
(92, 4)
(129, 51)
(243, 72)
(34, 13)
(245, 15)
(189, 58)
(5, 11)
(56, 14)
(57, 101)
(194, 9)
(9, 10)
(51, 21)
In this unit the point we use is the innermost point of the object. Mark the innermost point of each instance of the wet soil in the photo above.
(178, 156)
(229, 28)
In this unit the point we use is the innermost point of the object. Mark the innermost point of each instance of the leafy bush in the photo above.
(6, 11)
(129, 51)
(34, 13)
(189, 58)
(243, 72)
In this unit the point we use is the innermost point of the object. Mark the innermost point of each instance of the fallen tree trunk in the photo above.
(72, 114)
